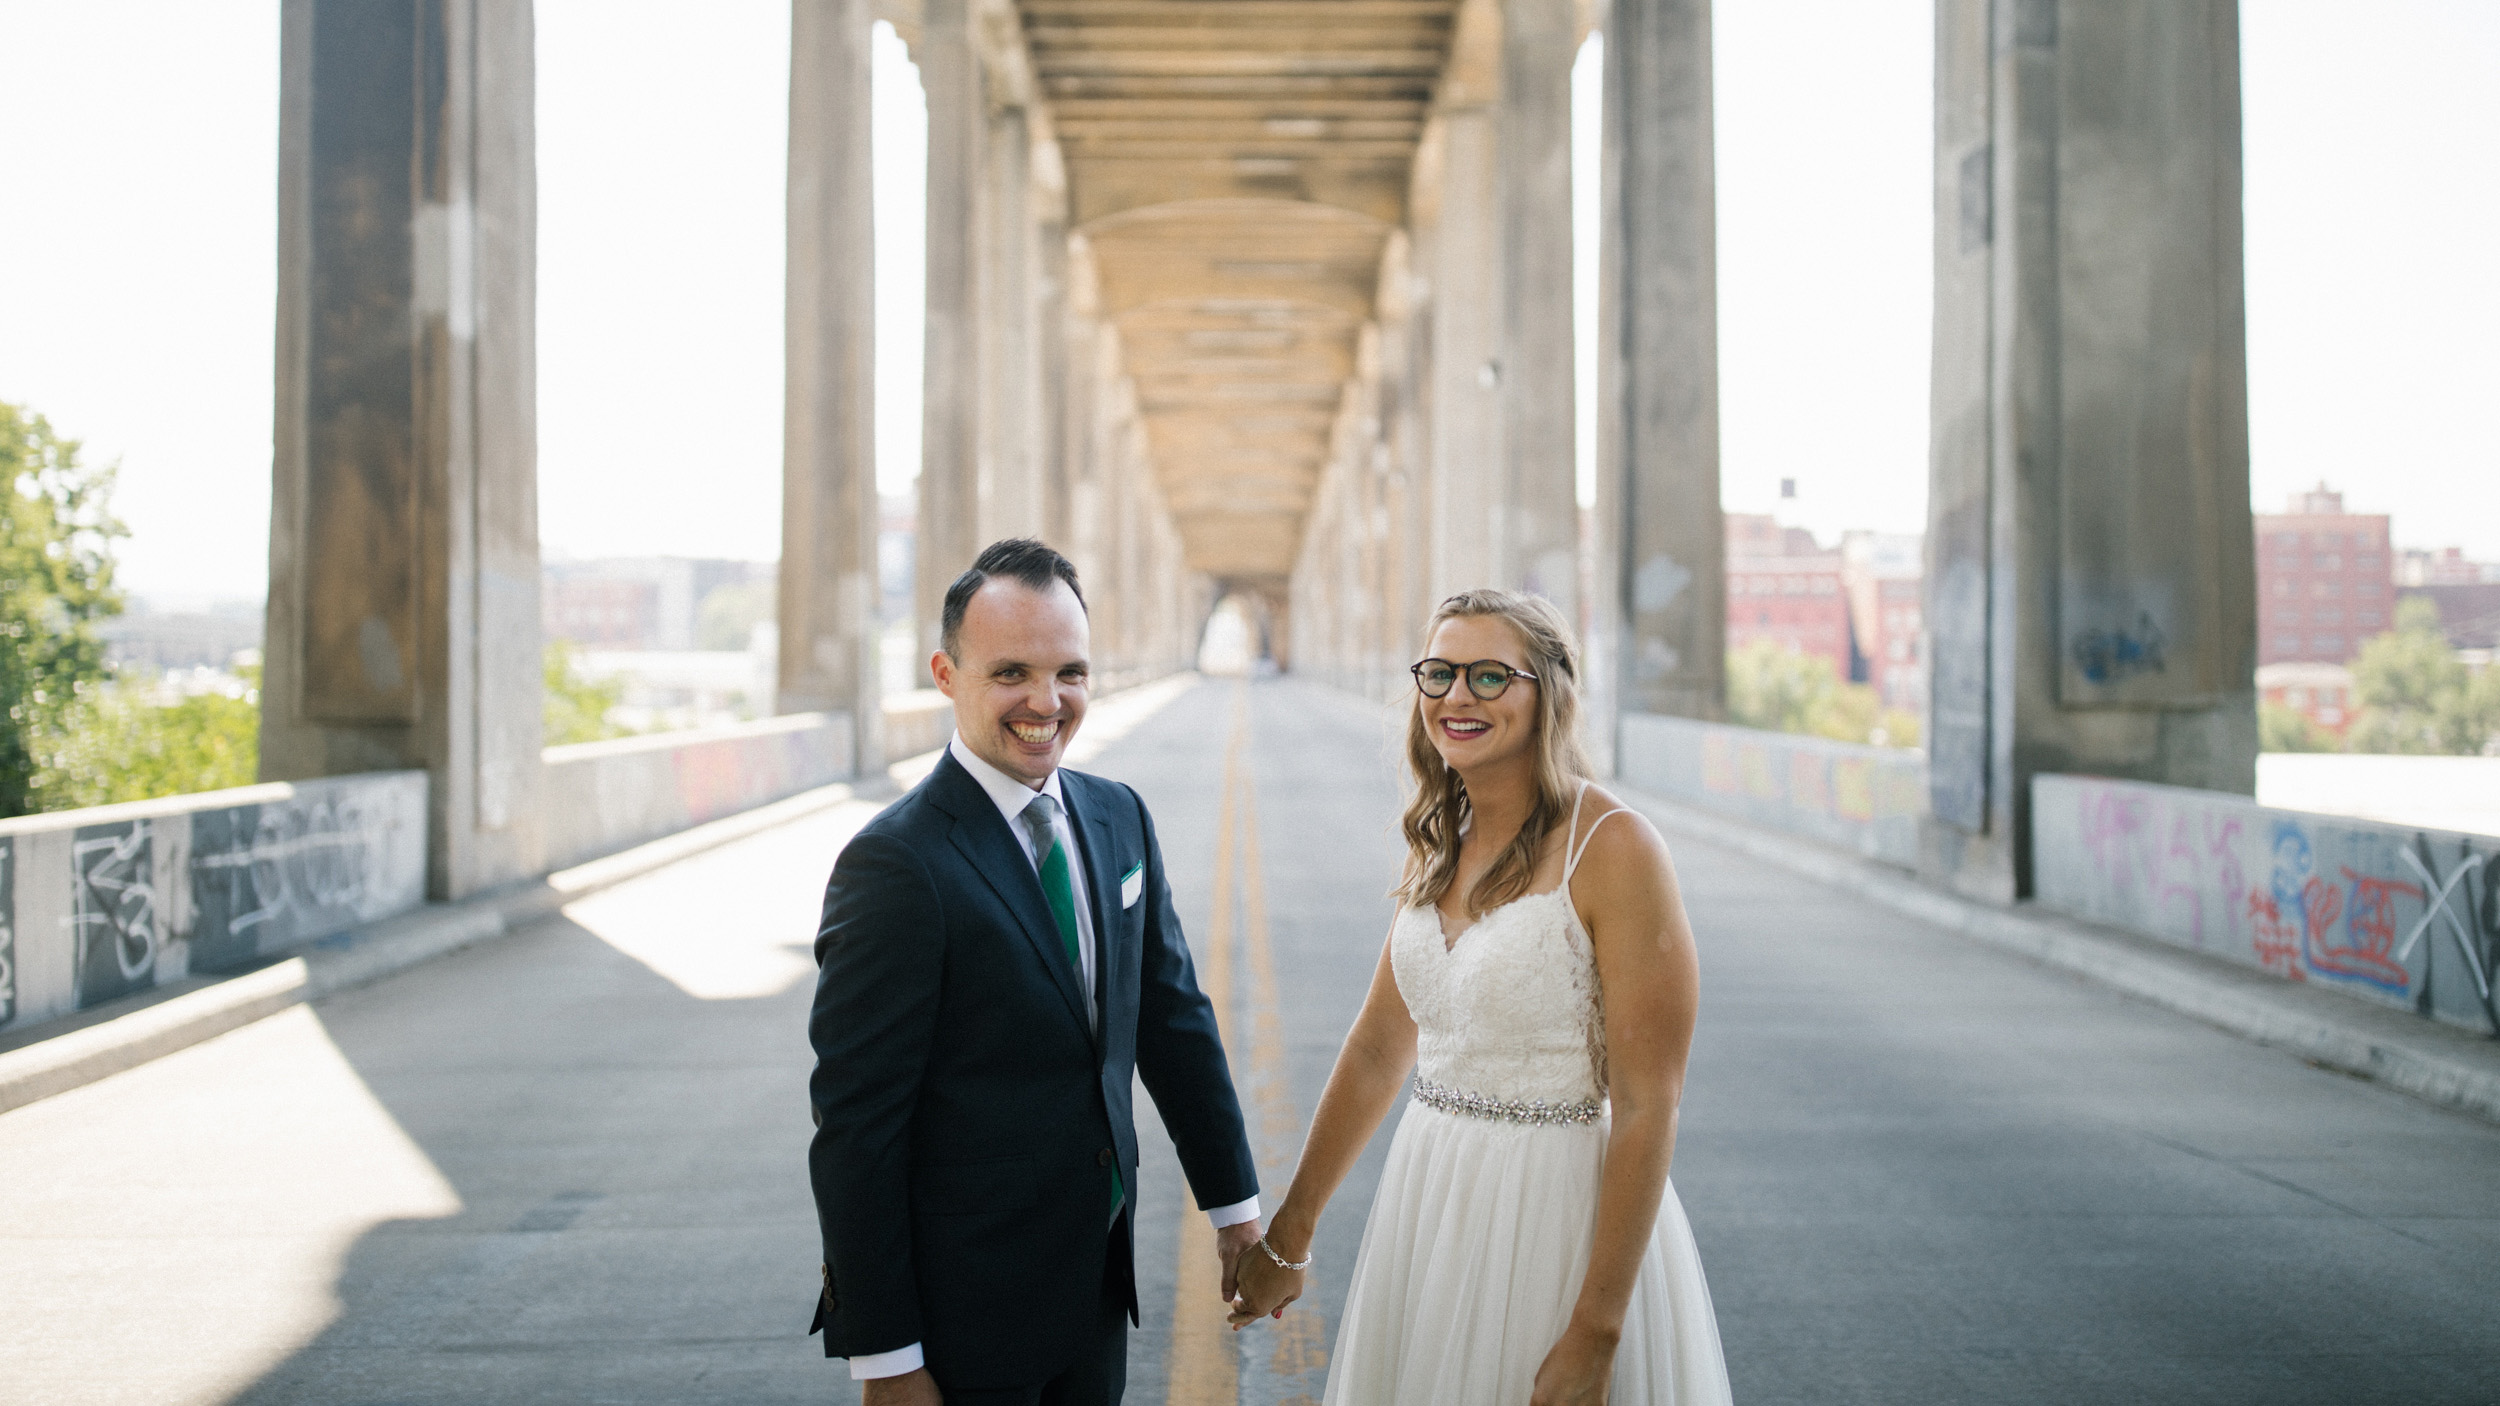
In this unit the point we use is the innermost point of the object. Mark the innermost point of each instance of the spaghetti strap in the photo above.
(1578, 848)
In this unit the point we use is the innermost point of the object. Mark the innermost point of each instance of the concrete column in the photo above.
(1540, 525)
(2091, 588)
(1661, 606)
(403, 624)
(1010, 502)
(828, 597)
(1468, 457)
(951, 396)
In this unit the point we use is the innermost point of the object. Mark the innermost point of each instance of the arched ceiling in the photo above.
(1236, 167)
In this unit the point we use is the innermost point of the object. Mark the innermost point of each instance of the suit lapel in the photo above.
(982, 835)
(1102, 885)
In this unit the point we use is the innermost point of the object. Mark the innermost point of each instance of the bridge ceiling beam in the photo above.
(1236, 168)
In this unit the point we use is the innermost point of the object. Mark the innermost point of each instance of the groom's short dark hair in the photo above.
(1021, 559)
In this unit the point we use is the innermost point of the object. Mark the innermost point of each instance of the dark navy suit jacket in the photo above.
(967, 1119)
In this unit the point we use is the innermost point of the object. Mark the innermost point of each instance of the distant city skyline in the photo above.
(136, 305)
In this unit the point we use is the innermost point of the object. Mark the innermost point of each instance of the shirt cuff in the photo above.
(886, 1364)
(1235, 1213)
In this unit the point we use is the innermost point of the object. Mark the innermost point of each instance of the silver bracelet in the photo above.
(1281, 1261)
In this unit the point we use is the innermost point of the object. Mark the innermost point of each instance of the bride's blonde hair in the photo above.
(1436, 816)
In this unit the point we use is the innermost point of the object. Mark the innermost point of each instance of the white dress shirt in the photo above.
(1011, 795)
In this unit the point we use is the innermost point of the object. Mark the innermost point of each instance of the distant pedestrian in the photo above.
(1525, 1245)
(999, 960)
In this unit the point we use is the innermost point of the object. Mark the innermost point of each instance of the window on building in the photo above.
(2330, 563)
(2287, 644)
(2328, 644)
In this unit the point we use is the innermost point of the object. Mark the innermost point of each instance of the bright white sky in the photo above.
(136, 286)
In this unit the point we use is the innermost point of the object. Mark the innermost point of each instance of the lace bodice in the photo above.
(1510, 1010)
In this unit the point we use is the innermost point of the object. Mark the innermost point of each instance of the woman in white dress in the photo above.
(1525, 1245)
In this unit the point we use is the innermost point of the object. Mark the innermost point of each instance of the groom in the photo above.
(998, 954)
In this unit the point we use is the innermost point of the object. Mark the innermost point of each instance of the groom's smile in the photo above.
(1018, 675)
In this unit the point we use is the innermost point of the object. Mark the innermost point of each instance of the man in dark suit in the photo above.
(999, 952)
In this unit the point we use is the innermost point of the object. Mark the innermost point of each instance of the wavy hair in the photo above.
(1436, 816)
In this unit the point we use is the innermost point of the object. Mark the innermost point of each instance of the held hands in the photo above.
(1231, 1243)
(1264, 1288)
(1578, 1371)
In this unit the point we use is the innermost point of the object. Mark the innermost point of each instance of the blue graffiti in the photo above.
(2108, 656)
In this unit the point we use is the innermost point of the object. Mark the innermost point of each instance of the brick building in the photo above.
(1782, 586)
(2324, 580)
(1884, 576)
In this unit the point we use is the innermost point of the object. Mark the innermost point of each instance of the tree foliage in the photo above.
(56, 580)
(2282, 728)
(577, 705)
(2417, 696)
(126, 746)
(1772, 686)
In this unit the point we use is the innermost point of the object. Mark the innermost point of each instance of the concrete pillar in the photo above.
(949, 530)
(1661, 551)
(828, 597)
(1009, 476)
(1540, 525)
(1468, 457)
(403, 624)
(2091, 588)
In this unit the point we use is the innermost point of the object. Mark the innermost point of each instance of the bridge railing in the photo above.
(2396, 914)
(1861, 798)
(111, 901)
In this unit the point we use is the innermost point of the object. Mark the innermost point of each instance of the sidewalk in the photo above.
(2440, 1064)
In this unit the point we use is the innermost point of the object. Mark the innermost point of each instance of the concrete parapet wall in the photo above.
(606, 796)
(1867, 799)
(115, 900)
(916, 722)
(2352, 905)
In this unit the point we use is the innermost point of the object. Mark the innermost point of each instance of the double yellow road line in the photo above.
(1205, 1353)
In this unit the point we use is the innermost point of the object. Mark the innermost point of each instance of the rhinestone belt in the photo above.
(1433, 1096)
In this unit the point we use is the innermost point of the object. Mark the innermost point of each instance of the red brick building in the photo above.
(2324, 580)
(1781, 586)
(1884, 574)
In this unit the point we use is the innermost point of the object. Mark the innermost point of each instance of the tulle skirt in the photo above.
(1473, 1257)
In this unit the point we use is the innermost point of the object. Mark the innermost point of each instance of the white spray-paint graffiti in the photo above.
(114, 911)
(265, 878)
(8, 929)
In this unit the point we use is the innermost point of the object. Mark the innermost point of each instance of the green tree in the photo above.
(2416, 695)
(125, 746)
(577, 705)
(1772, 686)
(56, 580)
(2283, 728)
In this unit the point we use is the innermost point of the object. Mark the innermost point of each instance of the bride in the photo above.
(1525, 1245)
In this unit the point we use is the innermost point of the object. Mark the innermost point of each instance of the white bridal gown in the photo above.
(1481, 1229)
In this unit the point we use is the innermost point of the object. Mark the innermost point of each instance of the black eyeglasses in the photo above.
(1486, 678)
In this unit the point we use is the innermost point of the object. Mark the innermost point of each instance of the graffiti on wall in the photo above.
(113, 910)
(268, 877)
(2315, 898)
(8, 929)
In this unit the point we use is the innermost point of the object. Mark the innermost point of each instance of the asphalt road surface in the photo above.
(568, 1166)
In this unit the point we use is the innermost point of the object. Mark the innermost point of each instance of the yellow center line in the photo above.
(1205, 1362)
(1301, 1335)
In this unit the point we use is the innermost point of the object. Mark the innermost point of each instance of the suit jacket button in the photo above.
(1103, 1158)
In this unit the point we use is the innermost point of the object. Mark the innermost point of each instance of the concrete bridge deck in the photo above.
(566, 1167)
